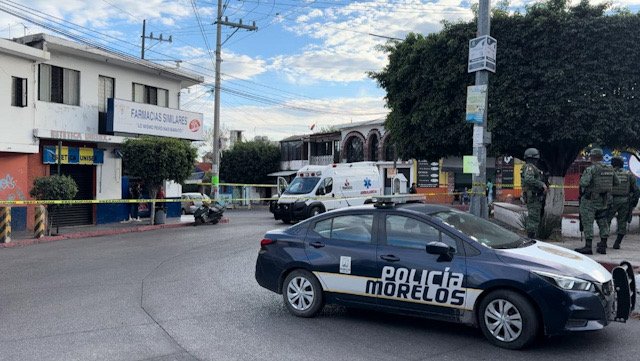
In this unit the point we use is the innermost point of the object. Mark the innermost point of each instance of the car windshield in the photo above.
(302, 185)
(487, 233)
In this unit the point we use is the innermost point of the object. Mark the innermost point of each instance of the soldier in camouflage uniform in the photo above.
(533, 190)
(596, 184)
(625, 197)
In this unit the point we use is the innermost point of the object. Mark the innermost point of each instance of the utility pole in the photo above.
(479, 205)
(150, 37)
(215, 162)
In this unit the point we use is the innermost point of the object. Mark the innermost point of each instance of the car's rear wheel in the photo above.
(302, 293)
(507, 319)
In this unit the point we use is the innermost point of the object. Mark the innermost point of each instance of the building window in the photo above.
(106, 90)
(150, 95)
(291, 150)
(18, 92)
(59, 85)
(355, 150)
(373, 148)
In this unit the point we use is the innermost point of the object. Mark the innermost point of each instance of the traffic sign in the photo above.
(482, 54)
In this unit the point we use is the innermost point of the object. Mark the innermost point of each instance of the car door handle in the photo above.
(316, 244)
(390, 258)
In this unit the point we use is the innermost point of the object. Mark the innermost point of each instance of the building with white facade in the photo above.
(352, 142)
(72, 104)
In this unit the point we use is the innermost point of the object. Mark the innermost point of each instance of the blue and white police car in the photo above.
(441, 263)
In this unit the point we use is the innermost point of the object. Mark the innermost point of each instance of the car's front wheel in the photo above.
(507, 319)
(302, 293)
(315, 211)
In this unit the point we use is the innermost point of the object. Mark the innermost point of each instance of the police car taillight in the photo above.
(266, 242)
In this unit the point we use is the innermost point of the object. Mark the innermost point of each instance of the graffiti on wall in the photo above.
(9, 190)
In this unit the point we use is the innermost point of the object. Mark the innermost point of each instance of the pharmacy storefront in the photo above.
(93, 162)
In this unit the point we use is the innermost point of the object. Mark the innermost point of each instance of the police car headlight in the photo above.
(566, 282)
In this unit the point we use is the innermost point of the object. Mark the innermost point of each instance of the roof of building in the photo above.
(203, 166)
(50, 43)
(23, 51)
(345, 126)
(295, 137)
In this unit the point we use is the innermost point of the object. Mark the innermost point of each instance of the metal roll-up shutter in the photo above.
(77, 214)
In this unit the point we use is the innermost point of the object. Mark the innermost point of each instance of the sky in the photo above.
(305, 66)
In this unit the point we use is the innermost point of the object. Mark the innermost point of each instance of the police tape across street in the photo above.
(426, 195)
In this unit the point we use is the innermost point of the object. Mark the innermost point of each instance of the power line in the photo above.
(11, 9)
(202, 31)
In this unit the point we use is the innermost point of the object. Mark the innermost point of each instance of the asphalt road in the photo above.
(190, 294)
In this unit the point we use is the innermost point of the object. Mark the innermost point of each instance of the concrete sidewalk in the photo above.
(629, 251)
(24, 238)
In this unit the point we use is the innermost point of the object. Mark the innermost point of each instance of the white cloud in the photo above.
(345, 50)
(242, 66)
(280, 121)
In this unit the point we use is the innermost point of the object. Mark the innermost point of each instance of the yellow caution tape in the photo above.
(239, 185)
(224, 200)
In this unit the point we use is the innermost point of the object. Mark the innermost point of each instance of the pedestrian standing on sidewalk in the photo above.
(625, 198)
(489, 191)
(596, 184)
(135, 191)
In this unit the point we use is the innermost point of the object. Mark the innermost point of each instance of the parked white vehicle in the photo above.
(320, 188)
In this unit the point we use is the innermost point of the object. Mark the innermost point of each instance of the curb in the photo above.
(89, 234)
(611, 265)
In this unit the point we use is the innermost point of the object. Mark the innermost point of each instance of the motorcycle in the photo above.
(208, 213)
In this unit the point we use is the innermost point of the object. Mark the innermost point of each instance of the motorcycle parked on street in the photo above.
(208, 213)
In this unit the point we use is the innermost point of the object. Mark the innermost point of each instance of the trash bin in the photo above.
(161, 216)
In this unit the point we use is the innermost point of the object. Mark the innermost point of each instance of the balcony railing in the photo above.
(321, 159)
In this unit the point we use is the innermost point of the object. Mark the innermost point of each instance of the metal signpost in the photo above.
(482, 60)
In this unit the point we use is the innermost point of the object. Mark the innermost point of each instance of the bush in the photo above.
(54, 187)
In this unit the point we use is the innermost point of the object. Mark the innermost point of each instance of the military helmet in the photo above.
(531, 153)
(617, 161)
(596, 152)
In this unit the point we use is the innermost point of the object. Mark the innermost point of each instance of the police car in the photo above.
(441, 263)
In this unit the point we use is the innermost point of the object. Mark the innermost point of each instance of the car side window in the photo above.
(355, 228)
(325, 187)
(407, 232)
(328, 185)
(323, 228)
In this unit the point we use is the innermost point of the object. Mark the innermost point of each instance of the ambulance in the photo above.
(320, 188)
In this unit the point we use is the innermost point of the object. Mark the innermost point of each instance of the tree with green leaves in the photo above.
(250, 162)
(53, 187)
(567, 77)
(156, 159)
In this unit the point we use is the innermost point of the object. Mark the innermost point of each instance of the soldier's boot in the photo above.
(587, 247)
(602, 246)
(531, 234)
(616, 244)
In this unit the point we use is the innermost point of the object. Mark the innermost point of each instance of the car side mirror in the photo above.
(444, 251)
(320, 191)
